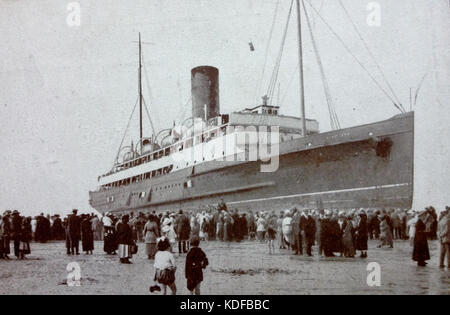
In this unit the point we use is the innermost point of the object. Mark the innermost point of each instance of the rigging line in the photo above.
(315, 17)
(258, 87)
(356, 58)
(148, 116)
(289, 83)
(355, 27)
(418, 89)
(147, 81)
(276, 69)
(126, 129)
(280, 53)
(332, 112)
(183, 112)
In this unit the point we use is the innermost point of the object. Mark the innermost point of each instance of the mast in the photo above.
(140, 92)
(300, 57)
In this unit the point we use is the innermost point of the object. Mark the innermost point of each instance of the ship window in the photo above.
(167, 152)
(269, 112)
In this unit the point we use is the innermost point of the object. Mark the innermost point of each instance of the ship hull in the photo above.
(369, 166)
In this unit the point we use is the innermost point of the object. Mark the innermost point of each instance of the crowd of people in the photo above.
(336, 233)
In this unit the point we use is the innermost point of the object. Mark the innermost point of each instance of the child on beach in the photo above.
(195, 261)
(165, 268)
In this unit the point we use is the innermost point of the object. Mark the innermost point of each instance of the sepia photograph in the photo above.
(232, 148)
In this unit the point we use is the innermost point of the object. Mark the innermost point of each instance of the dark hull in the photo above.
(369, 166)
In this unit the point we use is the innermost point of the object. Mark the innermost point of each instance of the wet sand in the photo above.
(235, 268)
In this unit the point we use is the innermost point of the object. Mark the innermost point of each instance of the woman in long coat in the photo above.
(151, 234)
(87, 235)
(362, 235)
(125, 238)
(421, 252)
(348, 238)
(385, 233)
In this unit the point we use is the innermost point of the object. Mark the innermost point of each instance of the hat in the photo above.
(195, 240)
(74, 210)
(15, 212)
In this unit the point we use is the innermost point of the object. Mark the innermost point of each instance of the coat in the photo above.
(361, 234)
(385, 232)
(347, 238)
(151, 232)
(420, 251)
(310, 229)
(183, 227)
(195, 261)
(444, 229)
(74, 226)
(124, 234)
(87, 235)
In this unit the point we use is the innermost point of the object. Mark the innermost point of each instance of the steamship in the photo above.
(211, 157)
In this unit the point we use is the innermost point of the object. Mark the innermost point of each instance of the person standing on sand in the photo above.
(287, 229)
(310, 233)
(271, 232)
(361, 235)
(196, 260)
(94, 220)
(444, 237)
(386, 237)
(421, 252)
(74, 232)
(26, 237)
(125, 238)
(109, 238)
(183, 232)
(16, 232)
(87, 234)
(151, 233)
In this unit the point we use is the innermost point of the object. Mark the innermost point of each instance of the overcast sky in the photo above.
(67, 92)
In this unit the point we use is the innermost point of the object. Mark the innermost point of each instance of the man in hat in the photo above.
(57, 229)
(16, 232)
(183, 227)
(310, 233)
(444, 237)
(74, 232)
(421, 251)
(6, 232)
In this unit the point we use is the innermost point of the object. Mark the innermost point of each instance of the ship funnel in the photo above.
(205, 92)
